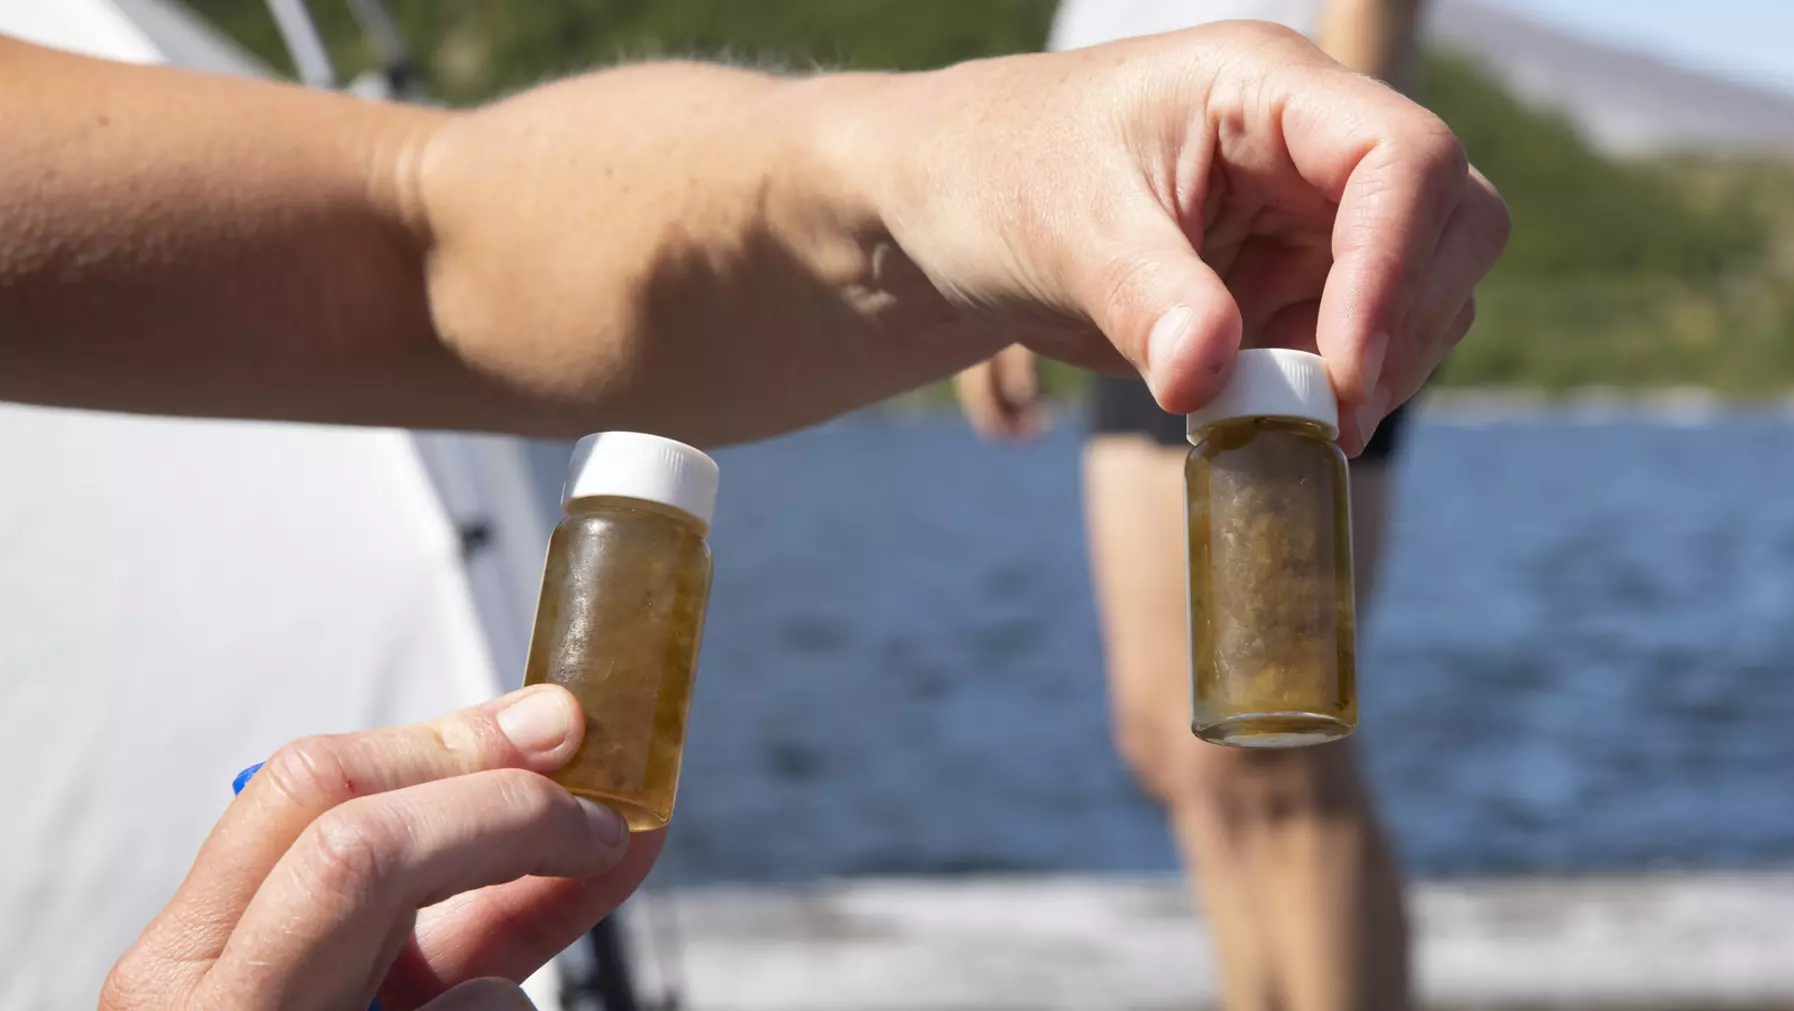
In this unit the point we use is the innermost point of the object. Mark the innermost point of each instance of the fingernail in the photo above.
(537, 721)
(606, 824)
(1371, 414)
(1370, 367)
(1167, 334)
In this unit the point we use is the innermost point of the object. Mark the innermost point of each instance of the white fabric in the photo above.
(80, 26)
(178, 598)
(1080, 23)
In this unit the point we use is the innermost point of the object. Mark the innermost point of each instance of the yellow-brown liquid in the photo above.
(619, 622)
(1272, 652)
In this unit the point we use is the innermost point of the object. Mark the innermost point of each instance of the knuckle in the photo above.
(1444, 334)
(312, 772)
(1140, 727)
(1123, 286)
(1436, 142)
(1258, 34)
(527, 794)
(348, 850)
(1148, 743)
(473, 735)
(1425, 142)
(131, 985)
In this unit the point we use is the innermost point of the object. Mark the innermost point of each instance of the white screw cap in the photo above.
(644, 467)
(1273, 383)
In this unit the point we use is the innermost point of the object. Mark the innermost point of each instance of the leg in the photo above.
(1296, 880)
(1337, 860)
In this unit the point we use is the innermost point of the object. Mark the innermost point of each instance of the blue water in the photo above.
(1579, 657)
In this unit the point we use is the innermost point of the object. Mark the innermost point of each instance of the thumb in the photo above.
(1165, 310)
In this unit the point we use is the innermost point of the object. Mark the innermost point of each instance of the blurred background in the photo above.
(1594, 562)
(1575, 676)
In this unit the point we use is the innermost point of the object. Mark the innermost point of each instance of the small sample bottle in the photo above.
(1272, 657)
(622, 612)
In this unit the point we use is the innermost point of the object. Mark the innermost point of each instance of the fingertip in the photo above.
(1190, 354)
(544, 723)
(634, 862)
(563, 691)
(1351, 440)
(1369, 367)
(1359, 424)
(1164, 343)
(649, 843)
(609, 830)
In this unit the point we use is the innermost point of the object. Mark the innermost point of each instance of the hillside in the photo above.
(1628, 103)
(1624, 269)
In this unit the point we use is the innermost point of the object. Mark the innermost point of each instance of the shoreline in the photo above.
(1485, 405)
(1680, 405)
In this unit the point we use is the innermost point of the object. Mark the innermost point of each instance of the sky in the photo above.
(1746, 40)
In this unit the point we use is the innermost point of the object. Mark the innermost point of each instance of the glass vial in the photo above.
(1272, 652)
(622, 612)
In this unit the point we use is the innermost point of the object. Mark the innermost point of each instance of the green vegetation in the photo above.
(1675, 271)
(471, 50)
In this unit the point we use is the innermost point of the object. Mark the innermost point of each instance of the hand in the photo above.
(1001, 396)
(1189, 194)
(788, 250)
(431, 863)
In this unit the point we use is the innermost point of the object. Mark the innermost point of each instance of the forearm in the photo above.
(1375, 37)
(174, 242)
(659, 246)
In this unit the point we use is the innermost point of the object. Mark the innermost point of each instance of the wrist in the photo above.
(672, 243)
(846, 177)
(391, 155)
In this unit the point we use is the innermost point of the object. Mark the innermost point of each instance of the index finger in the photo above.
(513, 929)
(335, 909)
(1396, 173)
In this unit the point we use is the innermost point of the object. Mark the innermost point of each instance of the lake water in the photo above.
(1580, 656)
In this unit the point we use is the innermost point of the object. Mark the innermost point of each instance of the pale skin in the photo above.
(1291, 865)
(704, 252)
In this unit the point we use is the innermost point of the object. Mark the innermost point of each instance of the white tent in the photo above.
(178, 598)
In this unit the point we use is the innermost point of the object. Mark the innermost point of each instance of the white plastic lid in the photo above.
(645, 467)
(1273, 383)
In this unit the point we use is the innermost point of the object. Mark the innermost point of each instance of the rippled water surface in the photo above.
(1580, 657)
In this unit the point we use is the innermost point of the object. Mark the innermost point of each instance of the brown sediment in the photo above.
(1273, 654)
(618, 625)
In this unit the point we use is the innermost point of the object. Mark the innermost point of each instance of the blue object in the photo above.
(236, 786)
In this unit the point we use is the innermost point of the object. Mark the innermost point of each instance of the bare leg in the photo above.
(1298, 883)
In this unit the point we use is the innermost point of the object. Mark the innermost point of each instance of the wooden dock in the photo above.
(1663, 942)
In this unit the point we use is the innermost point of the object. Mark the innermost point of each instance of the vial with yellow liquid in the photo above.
(622, 613)
(1272, 652)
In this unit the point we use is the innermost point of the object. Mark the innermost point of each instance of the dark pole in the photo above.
(616, 981)
(610, 984)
